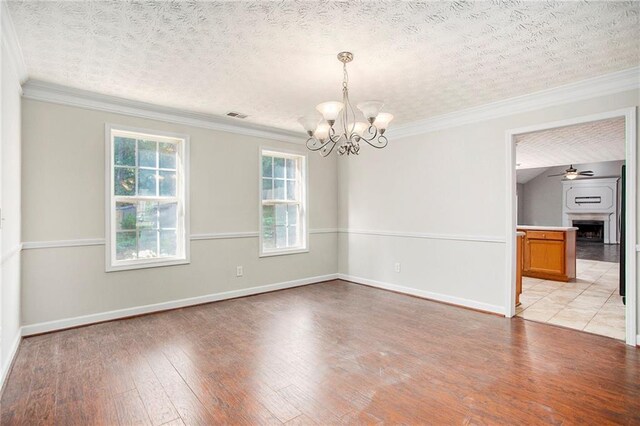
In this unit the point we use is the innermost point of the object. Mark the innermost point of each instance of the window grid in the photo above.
(287, 229)
(166, 233)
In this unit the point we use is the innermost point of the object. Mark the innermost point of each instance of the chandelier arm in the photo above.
(383, 141)
(374, 133)
(311, 144)
(332, 134)
(326, 153)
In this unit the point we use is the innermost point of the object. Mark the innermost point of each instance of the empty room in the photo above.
(319, 212)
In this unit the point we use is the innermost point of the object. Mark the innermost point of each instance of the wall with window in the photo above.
(64, 218)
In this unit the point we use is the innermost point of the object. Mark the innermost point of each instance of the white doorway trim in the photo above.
(629, 115)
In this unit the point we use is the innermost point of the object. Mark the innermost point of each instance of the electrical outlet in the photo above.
(239, 271)
(396, 267)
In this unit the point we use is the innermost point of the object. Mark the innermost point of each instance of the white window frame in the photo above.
(182, 197)
(303, 203)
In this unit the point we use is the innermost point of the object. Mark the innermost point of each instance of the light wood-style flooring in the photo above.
(330, 353)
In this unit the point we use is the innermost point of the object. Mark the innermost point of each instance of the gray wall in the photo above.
(520, 207)
(64, 201)
(541, 197)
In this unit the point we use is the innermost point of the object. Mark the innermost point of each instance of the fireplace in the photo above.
(590, 230)
(587, 204)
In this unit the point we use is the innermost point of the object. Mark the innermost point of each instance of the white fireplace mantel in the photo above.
(592, 199)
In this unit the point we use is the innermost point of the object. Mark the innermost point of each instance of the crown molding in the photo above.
(10, 41)
(64, 95)
(616, 82)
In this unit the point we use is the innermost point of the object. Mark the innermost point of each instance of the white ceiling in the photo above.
(276, 60)
(592, 142)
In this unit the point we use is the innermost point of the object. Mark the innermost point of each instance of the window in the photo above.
(146, 199)
(283, 219)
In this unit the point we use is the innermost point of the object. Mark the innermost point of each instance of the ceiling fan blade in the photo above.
(586, 173)
(560, 174)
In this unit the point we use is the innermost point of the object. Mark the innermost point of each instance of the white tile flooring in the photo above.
(591, 303)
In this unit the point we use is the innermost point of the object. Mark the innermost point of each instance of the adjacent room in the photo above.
(570, 208)
(319, 212)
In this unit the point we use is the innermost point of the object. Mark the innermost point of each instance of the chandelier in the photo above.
(339, 125)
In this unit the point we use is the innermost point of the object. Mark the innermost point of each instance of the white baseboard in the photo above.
(44, 327)
(6, 365)
(425, 294)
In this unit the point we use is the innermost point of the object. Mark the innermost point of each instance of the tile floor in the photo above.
(591, 303)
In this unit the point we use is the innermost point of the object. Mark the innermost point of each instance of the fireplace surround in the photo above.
(589, 201)
(590, 230)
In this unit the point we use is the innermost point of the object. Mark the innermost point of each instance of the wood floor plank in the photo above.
(41, 406)
(130, 409)
(331, 353)
(176, 422)
(191, 410)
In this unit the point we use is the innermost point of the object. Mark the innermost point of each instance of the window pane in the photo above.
(292, 215)
(291, 168)
(281, 236)
(267, 189)
(147, 215)
(292, 232)
(168, 215)
(146, 182)
(124, 181)
(126, 245)
(125, 216)
(168, 152)
(147, 243)
(292, 190)
(278, 192)
(167, 184)
(147, 154)
(268, 227)
(124, 151)
(267, 166)
(168, 243)
(278, 167)
(281, 214)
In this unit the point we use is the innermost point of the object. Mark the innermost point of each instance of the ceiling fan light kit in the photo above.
(323, 136)
(571, 173)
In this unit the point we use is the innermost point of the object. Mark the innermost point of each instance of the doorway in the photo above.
(628, 256)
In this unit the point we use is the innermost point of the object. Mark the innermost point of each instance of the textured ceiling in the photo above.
(276, 60)
(582, 143)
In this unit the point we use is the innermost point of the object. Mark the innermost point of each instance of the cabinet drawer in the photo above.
(546, 235)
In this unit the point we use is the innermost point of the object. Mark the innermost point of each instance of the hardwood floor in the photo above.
(329, 353)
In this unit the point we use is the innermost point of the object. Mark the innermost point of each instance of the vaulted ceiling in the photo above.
(592, 142)
(274, 61)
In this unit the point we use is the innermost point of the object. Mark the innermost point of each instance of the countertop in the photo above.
(547, 228)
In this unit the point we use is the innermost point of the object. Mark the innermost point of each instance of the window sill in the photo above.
(147, 264)
(283, 252)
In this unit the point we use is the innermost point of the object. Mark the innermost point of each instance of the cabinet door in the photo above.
(545, 256)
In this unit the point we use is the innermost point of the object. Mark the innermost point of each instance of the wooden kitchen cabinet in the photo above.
(549, 253)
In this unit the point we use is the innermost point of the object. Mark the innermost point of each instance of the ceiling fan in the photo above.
(572, 173)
